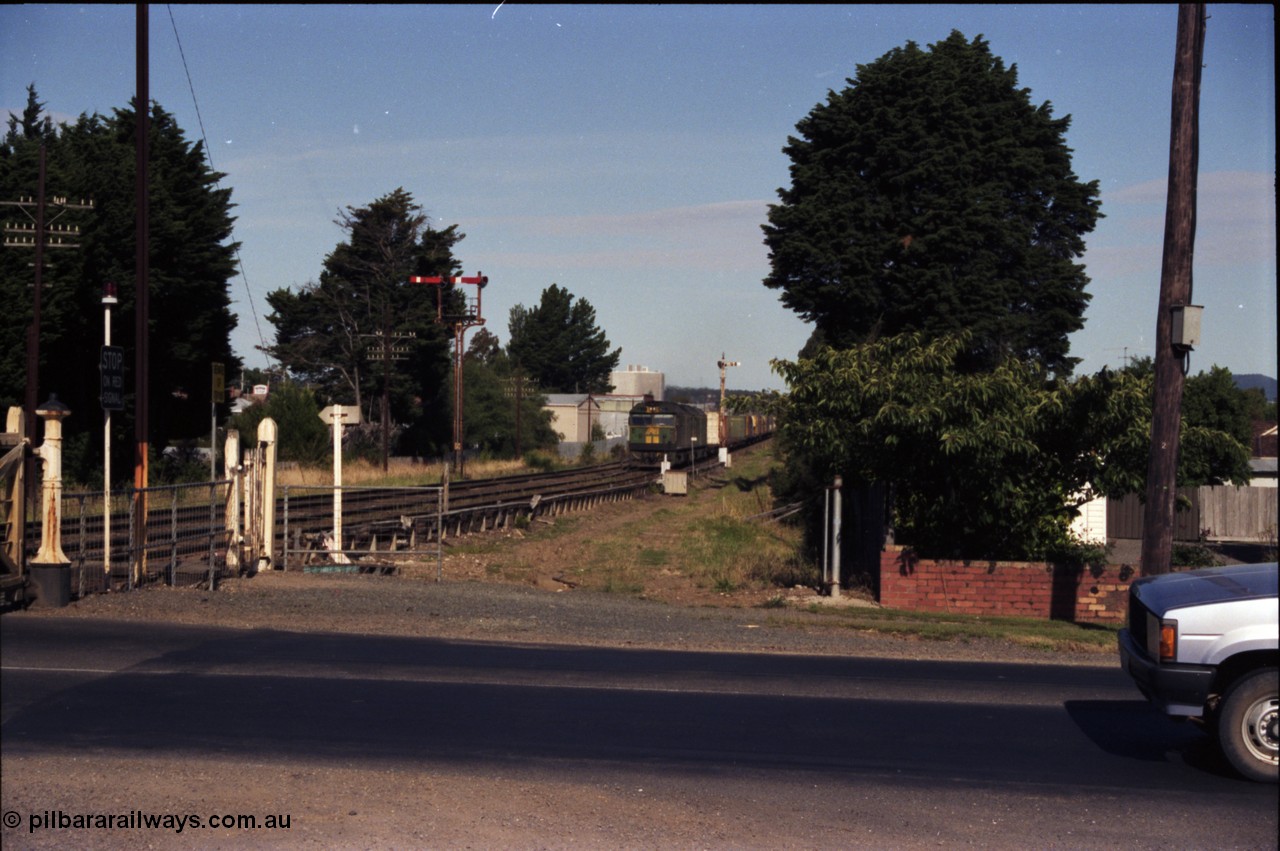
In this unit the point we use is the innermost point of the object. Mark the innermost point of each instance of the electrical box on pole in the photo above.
(1185, 334)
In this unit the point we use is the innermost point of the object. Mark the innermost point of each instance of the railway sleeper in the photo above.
(410, 532)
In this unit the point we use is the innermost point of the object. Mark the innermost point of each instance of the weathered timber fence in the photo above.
(379, 523)
(1221, 513)
(1238, 514)
(374, 522)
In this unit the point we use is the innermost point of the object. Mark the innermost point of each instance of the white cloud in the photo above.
(1235, 222)
(721, 236)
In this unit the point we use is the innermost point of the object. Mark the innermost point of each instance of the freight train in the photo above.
(678, 432)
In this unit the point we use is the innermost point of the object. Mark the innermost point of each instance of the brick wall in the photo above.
(1026, 589)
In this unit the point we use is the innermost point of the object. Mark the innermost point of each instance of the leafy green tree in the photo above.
(932, 195)
(984, 465)
(303, 436)
(1217, 425)
(333, 333)
(485, 347)
(559, 346)
(490, 412)
(1212, 399)
(493, 392)
(191, 266)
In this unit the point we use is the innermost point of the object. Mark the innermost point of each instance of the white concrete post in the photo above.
(53, 413)
(234, 472)
(268, 433)
(338, 416)
(337, 479)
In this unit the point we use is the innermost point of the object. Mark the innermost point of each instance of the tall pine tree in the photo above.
(192, 261)
(559, 346)
(932, 195)
(331, 333)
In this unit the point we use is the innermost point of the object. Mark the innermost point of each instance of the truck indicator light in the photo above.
(1168, 641)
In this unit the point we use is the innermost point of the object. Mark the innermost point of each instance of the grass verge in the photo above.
(1050, 635)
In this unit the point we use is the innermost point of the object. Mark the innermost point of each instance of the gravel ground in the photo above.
(496, 611)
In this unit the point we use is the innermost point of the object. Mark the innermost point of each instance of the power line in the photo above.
(208, 153)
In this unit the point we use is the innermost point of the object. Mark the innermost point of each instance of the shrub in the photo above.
(539, 460)
(1194, 555)
(1075, 553)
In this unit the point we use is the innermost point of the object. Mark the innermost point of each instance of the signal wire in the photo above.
(208, 153)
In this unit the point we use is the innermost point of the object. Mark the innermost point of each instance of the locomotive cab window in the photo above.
(653, 419)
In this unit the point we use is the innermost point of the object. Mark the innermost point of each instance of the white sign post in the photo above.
(338, 416)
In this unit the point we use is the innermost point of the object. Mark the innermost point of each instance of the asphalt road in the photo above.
(734, 750)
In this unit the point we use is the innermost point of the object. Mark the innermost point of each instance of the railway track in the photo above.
(405, 520)
(186, 531)
(186, 527)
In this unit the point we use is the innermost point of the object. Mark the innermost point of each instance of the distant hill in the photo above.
(1251, 380)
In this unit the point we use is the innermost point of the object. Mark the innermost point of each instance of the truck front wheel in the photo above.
(1249, 725)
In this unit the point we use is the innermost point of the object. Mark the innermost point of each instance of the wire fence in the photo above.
(183, 541)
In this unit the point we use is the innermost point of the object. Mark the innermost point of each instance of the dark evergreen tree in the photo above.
(485, 347)
(333, 334)
(34, 124)
(191, 264)
(490, 410)
(931, 195)
(558, 345)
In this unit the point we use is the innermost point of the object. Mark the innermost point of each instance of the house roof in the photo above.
(574, 399)
(1264, 440)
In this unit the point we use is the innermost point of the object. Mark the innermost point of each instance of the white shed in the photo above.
(572, 415)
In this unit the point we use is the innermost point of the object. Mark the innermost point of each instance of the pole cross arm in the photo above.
(482, 280)
(471, 316)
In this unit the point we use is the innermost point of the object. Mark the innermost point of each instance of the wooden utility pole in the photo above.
(1175, 292)
(40, 233)
(142, 281)
(516, 386)
(388, 346)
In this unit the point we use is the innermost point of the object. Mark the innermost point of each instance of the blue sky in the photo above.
(628, 153)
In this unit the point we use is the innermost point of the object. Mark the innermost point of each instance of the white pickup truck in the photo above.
(1203, 645)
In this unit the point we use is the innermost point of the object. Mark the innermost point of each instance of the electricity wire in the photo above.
(208, 153)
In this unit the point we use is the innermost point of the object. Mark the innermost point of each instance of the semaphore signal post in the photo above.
(459, 317)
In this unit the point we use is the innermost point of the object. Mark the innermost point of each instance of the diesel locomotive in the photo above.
(679, 432)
